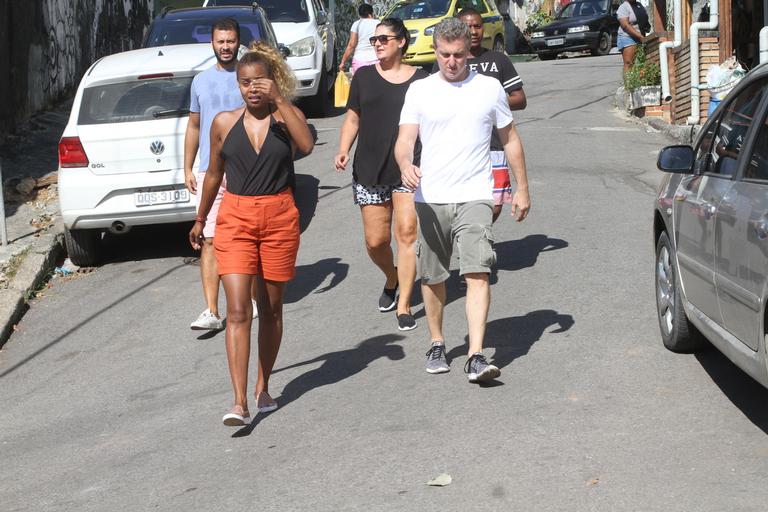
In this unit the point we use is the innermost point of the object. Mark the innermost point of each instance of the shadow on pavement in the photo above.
(523, 253)
(94, 317)
(510, 255)
(335, 367)
(513, 337)
(148, 242)
(310, 277)
(313, 130)
(741, 389)
(307, 189)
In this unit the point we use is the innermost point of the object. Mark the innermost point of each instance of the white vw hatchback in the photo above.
(121, 156)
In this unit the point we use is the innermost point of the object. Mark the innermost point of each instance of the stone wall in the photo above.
(49, 44)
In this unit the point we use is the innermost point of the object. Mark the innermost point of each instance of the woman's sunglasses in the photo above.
(382, 39)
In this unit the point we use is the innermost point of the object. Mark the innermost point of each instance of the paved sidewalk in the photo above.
(683, 133)
(35, 231)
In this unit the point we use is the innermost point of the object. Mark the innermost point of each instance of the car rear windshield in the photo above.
(575, 9)
(169, 32)
(293, 11)
(421, 9)
(142, 100)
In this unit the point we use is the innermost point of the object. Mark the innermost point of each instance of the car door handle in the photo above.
(761, 227)
(709, 209)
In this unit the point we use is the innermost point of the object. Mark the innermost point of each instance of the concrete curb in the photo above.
(38, 261)
(684, 134)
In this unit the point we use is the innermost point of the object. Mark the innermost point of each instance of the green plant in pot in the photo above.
(642, 73)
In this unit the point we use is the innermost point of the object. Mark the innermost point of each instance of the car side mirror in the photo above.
(284, 50)
(675, 159)
(321, 18)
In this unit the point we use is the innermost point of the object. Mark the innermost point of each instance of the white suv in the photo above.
(306, 28)
(121, 156)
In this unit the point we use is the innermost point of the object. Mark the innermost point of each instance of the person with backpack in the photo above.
(633, 26)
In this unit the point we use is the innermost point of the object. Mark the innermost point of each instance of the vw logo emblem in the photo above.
(157, 147)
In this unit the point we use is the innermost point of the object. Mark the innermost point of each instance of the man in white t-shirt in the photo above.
(453, 113)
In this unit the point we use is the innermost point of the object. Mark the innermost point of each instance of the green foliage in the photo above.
(536, 20)
(642, 73)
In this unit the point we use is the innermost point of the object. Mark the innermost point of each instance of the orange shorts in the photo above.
(258, 235)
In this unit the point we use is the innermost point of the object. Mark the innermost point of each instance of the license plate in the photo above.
(555, 42)
(161, 197)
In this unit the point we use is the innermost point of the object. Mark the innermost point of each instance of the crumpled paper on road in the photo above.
(441, 480)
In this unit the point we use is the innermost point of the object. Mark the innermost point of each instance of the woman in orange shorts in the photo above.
(257, 229)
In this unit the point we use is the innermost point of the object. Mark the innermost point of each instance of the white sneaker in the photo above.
(255, 311)
(207, 321)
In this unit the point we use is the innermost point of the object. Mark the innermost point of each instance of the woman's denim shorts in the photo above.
(624, 41)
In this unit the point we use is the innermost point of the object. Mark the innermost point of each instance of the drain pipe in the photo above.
(663, 57)
(714, 18)
(764, 45)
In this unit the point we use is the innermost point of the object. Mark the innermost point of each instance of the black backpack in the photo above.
(642, 17)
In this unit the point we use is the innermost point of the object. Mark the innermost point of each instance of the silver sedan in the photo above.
(711, 233)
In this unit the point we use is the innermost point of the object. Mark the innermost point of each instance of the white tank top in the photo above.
(365, 28)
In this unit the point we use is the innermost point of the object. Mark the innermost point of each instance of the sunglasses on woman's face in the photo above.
(382, 39)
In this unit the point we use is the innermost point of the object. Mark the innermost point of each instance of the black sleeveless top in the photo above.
(258, 174)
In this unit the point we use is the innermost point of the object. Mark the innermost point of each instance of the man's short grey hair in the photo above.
(451, 29)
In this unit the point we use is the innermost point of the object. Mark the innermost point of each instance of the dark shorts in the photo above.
(469, 224)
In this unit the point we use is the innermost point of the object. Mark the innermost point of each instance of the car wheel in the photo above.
(83, 246)
(498, 44)
(318, 104)
(677, 333)
(547, 56)
(603, 44)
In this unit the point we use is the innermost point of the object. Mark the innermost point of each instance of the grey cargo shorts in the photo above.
(469, 224)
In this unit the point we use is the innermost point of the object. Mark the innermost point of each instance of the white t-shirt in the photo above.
(365, 29)
(455, 122)
(625, 11)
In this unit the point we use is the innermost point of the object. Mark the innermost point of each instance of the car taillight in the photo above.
(71, 153)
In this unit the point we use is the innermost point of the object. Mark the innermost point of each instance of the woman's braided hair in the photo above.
(274, 63)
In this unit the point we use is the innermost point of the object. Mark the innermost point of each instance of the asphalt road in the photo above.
(109, 402)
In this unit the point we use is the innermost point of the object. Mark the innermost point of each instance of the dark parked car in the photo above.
(711, 233)
(183, 26)
(581, 25)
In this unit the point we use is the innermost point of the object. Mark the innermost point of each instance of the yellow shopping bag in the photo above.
(341, 89)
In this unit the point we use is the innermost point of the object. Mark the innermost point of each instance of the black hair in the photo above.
(397, 26)
(365, 10)
(226, 24)
(468, 11)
